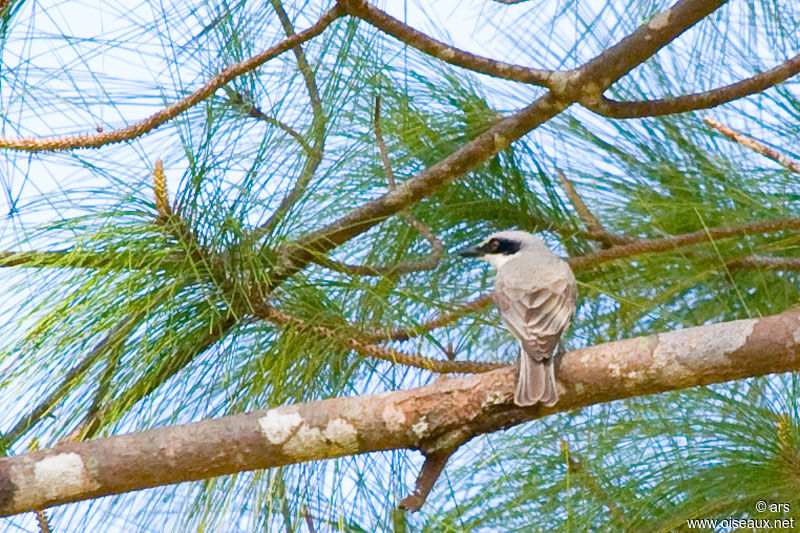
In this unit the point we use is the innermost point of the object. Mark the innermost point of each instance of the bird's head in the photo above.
(503, 246)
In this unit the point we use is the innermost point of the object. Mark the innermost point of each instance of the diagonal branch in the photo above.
(243, 105)
(754, 145)
(140, 128)
(593, 225)
(693, 102)
(405, 419)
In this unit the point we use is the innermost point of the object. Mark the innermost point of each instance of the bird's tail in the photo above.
(536, 382)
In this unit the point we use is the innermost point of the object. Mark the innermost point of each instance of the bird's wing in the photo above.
(536, 315)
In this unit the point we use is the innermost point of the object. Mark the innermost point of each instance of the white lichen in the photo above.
(339, 438)
(277, 427)
(342, 434)
(660, 21)
(420, 428)
(61, 476)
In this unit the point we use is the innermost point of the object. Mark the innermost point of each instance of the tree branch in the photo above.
(431, 470)
(243, 105)
(445, 52)
(266, 312)
(664, 244)
(140, 128)
(693, 102)
(591, 79)
(591, 222)
(754, 145)
(761, 262)
(410, 419)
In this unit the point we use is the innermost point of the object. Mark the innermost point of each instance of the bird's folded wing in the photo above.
(536, 315)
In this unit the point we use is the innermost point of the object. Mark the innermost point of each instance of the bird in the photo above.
(535, 291)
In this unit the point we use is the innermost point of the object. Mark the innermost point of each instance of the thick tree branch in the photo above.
(402, 419)
(140, 128)
(693, 102)
(584, 83)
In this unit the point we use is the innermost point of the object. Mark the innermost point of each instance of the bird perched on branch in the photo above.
(535, 291)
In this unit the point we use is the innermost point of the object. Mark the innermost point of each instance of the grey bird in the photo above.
(535, 291)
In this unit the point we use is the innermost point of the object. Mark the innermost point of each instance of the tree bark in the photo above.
(430, 418)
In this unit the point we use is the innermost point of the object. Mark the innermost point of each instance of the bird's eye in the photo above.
(494, 244)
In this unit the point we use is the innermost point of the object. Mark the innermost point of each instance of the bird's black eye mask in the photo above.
(499, 247)
(496, 246)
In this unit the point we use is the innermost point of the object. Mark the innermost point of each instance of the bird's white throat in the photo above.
(497, 260)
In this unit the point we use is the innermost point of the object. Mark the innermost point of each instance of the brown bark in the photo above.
(430, 418)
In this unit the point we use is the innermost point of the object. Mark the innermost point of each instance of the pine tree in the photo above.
(239, 214)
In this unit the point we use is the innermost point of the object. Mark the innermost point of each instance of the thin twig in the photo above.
(309, 521)
(665, 244)
(316, 130)
(754, 145)
(267, 312)
(764, 263)
(140, 128)
(693, 102)
(593, 225)
(43, 521)
(239, 102)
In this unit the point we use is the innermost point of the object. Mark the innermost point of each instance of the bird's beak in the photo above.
(469, 251)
